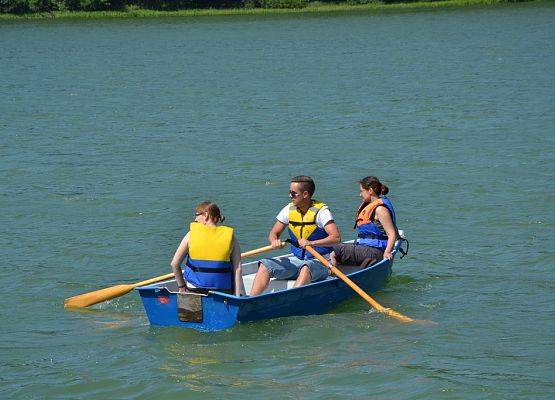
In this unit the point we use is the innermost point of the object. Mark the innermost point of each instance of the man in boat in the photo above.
(310, 222)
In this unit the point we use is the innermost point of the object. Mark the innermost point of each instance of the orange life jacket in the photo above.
(366, 212)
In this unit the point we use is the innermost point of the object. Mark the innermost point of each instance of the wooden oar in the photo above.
(357, 289)
(98, 296)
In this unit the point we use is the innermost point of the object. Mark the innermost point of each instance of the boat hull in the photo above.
(221, 311)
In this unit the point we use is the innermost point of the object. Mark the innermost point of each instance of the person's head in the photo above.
(208, 212)
(371, 188)
(301, 189)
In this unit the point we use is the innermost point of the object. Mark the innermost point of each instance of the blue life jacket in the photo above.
(304, 226)
(369, 233)
(208, 263)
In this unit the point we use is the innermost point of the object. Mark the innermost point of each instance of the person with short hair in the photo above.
(213, 255)
(309, 222)
(375, 223)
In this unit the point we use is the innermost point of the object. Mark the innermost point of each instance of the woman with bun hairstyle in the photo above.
(375, 223)
(213, 255)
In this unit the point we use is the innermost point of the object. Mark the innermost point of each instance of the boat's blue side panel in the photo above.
(161, 308)
(316, 298)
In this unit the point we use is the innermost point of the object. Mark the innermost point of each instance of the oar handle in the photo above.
(153, 280)
(264, 249)
(357, 289)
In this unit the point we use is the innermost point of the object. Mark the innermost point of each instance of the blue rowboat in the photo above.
(215, 311)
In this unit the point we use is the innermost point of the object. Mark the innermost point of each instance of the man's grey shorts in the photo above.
(289, 268)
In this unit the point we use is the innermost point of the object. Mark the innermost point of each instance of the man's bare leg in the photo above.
(261, 280)
(333, 260)
(304, 277)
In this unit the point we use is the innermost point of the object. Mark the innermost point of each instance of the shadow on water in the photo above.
(248, 332)
(110, 318)
(400, 280)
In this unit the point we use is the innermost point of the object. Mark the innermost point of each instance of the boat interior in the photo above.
(249, 272)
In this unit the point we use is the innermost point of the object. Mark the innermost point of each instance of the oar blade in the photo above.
(358, 290)
(397, 316)
(98, 296)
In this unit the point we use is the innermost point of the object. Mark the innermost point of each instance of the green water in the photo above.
(111, 132)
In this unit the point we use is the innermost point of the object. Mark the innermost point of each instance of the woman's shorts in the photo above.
(351, 254)
(289, 268)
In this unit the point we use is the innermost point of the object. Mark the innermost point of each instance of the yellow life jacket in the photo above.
(209, 261)
(304, 226)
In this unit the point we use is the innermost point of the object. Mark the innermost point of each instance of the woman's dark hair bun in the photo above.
(374, 183)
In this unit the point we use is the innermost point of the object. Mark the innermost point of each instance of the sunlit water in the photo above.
(111, 132)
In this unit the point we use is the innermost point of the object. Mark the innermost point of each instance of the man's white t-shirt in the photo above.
(322, 218)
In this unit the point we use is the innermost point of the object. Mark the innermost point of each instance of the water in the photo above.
(111, 132)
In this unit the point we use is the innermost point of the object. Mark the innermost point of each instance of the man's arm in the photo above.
(276, 231)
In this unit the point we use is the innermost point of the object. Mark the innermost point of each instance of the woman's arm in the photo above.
(237, 268)
(178, 257)
(383, 215)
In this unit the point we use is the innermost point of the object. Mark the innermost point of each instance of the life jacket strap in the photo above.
(209, 270)
(304, 223)
(371, 236)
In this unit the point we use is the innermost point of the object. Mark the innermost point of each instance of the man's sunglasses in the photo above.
(293, 194)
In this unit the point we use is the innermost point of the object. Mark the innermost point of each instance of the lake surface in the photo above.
(112, 130)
